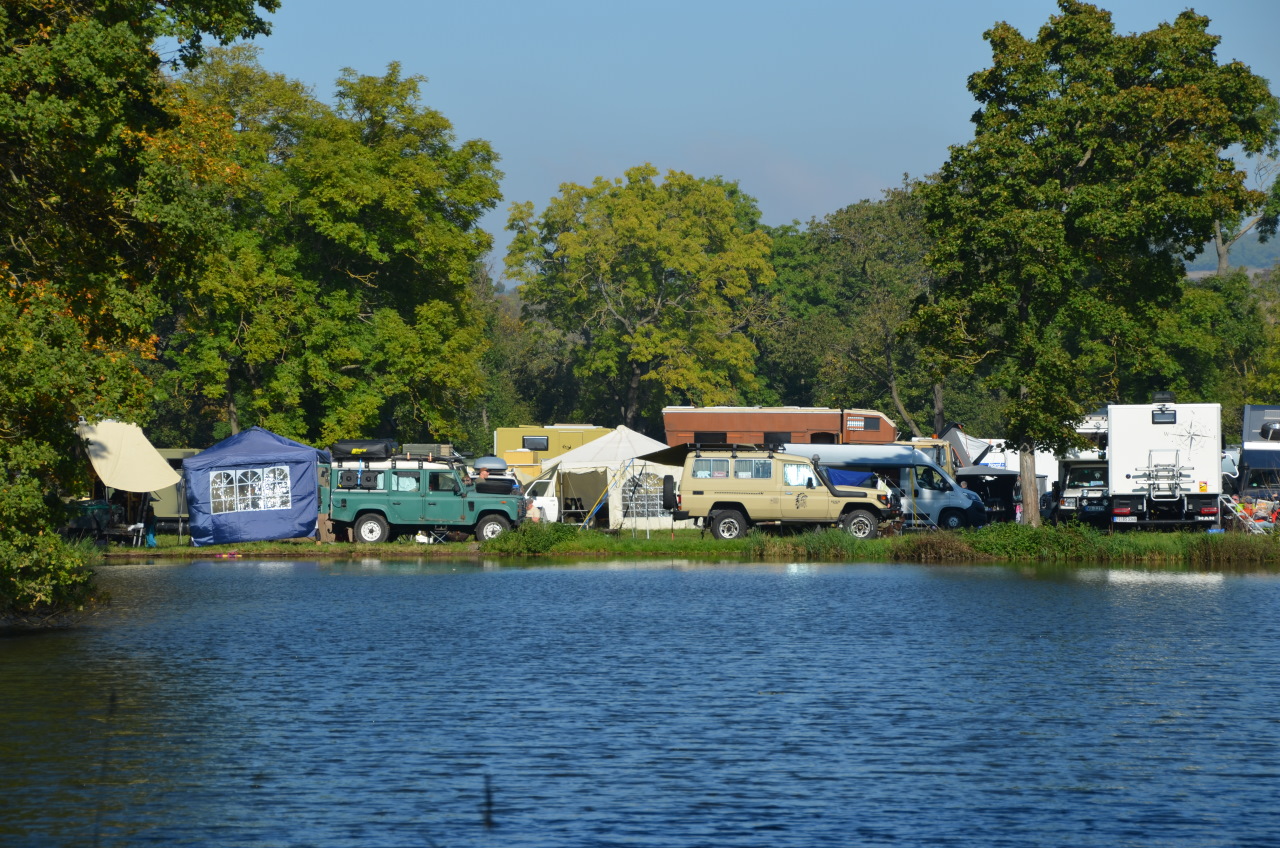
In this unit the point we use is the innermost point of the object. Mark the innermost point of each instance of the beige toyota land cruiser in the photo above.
(731, 489)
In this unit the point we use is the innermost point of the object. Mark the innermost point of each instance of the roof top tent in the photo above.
(759, 425)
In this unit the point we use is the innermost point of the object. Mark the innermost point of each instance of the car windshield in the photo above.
(1085, 478)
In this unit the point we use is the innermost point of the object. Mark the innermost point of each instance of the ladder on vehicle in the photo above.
(1236, 511)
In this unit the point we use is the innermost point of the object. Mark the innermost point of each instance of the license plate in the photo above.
(1126, 519)
(1094, 508)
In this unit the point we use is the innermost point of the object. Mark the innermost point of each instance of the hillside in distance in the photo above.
(1249, 252)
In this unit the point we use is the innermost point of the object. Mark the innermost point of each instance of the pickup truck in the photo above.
(375, 500)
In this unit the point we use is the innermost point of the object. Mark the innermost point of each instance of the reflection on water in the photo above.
(674, 703)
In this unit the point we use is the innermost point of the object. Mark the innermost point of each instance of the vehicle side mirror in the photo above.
(810, 484)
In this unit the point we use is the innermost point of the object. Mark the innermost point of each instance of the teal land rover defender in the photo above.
(375, 499)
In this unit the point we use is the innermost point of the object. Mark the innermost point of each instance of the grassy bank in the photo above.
(1005, 543)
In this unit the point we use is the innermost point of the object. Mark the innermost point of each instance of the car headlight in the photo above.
(1069, 503)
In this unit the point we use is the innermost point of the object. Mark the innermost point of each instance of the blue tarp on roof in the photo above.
(255, 486)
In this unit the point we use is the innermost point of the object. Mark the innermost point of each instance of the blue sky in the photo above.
(810, 105)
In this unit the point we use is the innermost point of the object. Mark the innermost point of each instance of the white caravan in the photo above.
(1164, 463)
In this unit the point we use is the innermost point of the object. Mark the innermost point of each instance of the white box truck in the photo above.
(1164, 463)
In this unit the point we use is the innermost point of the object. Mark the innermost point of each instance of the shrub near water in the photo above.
(817, 546)
(534, 537)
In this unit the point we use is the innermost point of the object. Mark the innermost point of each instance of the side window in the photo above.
(752, 469)
(706, 467)
(795, 474)
(406, 481)
(927, 478)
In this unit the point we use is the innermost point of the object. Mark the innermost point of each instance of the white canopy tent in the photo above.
(604, 474)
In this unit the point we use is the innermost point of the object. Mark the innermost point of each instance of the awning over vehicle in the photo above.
(124, 458)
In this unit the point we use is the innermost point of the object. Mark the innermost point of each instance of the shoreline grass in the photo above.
(997, 543)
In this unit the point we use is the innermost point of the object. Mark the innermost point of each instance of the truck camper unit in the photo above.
(764, 425)
(1164, 463)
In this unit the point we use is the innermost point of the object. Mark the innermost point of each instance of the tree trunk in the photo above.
(233, 415)
(632, 409)
(939, 420)
(1224, 249)
(1030, 492)
(902, 410)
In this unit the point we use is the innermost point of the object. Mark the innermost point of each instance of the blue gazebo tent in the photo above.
(255, 486)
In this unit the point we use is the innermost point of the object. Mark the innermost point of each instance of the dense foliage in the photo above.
(338, 299)
(1098, 165)
(91, 245)
(651, 287)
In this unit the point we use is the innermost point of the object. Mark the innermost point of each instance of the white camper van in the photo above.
(930, 496)
(1164, 463)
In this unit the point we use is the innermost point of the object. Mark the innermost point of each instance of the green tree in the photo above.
(875, 251)
(805, 319)
(1207, 348)
(338, 302)
(1095, 169)
(653, 286)
(92, 226)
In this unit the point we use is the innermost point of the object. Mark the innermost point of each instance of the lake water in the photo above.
(382, 703)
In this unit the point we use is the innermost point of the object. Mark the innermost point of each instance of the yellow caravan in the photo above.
(525, 447)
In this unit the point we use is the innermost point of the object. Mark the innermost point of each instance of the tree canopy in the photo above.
(652, 285)
(89, 242)
(1098, 164)
(337, 302)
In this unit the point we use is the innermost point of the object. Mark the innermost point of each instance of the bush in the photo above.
(815, 545)
(533, 537)
(937, 546)
(1227, 549)
(43, 580)
(1022, 541)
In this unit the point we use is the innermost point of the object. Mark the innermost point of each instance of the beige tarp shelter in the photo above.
(606, 474)
(125, 459)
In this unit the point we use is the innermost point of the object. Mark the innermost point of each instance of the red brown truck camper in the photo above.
(758, 425)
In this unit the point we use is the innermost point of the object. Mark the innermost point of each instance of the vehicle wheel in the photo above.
(952, 519)
(371, 528)
(490, 527)
(728, 524)
(861, 524)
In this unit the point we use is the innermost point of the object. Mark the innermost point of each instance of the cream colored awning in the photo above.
(125, 459)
